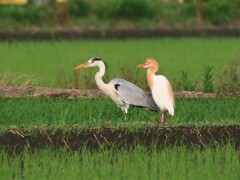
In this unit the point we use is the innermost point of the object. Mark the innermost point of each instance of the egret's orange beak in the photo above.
(81, 66)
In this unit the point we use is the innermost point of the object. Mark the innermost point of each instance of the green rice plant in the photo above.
(38, 112)
(228, 79)
(186, 83)
(139, 162)
(207, 111)
(208, 79)
(47, 60)
(132, 75)
(9, 79)
(64, 80)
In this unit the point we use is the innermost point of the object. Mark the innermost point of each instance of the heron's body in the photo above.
(122, 92)
(161, 89)
(126, 94)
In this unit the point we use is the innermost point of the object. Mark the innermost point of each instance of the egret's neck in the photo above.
(150, 76)
(98, 77)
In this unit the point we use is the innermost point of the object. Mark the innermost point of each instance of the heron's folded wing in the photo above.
(132, 94)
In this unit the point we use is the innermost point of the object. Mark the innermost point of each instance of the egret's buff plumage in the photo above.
(122, 92)
(161, 88)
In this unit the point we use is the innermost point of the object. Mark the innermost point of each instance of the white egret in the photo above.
(161, 88)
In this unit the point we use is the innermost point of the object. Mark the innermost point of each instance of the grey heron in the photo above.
(122, 92)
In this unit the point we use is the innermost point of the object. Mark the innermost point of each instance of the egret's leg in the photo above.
(164, 119)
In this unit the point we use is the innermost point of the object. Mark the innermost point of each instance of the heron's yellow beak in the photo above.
(81, 66)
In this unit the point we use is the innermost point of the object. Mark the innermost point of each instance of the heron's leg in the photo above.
(164, 119)
(125, 115)
(125, 111)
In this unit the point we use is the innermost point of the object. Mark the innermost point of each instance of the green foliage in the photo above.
(135, 9)
(104, 10)
(221, 11)
(188, 11)
(214, 11)
(79, 8)
(24, 14)
(174, 12)
(208, 79)
(126, 9)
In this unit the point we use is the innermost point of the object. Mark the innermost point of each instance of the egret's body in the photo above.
(161, 89)
(122, 92)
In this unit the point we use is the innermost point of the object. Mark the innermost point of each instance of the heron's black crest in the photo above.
(116, 86)
(96, 59)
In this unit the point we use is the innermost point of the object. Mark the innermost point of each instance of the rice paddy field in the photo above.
(28, 112)
(138, 163)
(52, 62)
(89, 138)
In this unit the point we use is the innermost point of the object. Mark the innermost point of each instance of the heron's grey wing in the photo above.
(132, 94)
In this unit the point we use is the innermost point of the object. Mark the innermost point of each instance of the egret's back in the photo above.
(163, 94)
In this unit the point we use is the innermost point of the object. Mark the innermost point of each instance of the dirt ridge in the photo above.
(96, 138)
(76, 93)
(94, 33)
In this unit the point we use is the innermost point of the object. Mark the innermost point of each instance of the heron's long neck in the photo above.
(150, 76)
(98, 77)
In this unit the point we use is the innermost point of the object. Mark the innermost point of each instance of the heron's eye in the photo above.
(90, 61)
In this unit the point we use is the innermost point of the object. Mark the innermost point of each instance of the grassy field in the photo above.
(28, 112)
(53, 61)
(140, 162)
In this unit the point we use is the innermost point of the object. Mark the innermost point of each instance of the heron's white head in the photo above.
(95, 61)
(150, 63)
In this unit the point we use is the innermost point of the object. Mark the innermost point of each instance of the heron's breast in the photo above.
(115, 97)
